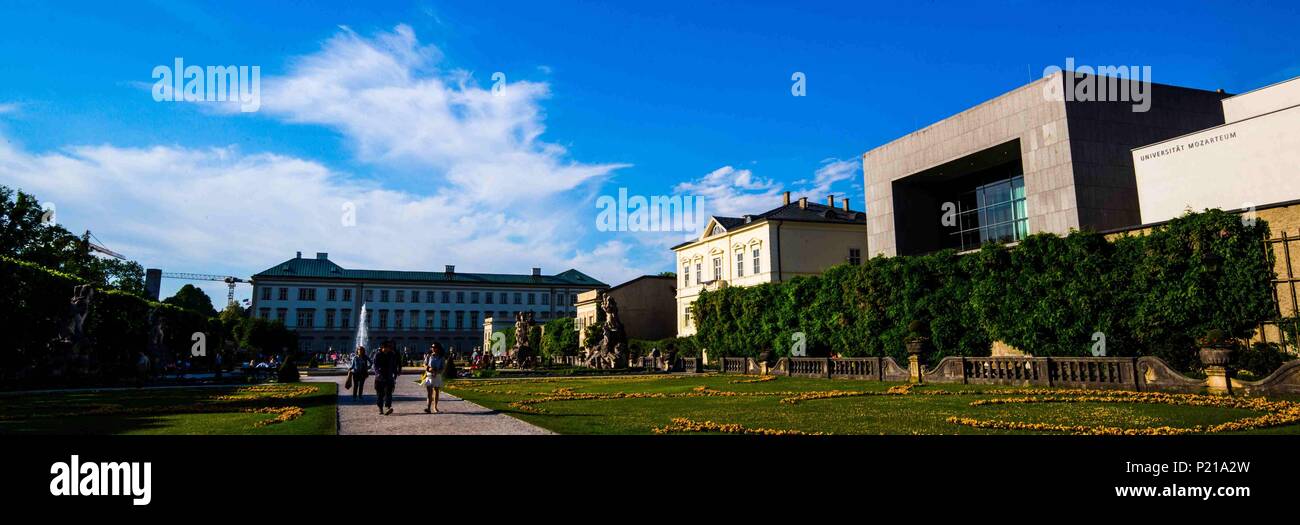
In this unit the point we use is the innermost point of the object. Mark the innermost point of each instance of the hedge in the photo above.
(1148, 294)
(34, 300)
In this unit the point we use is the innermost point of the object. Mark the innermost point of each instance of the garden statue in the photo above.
(522, 355)
(611, 350)
(157, 349)
(71, 348)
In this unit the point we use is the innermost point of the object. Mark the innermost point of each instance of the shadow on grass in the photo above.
(131, 411)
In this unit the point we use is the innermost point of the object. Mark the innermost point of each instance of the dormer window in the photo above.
(717, 230)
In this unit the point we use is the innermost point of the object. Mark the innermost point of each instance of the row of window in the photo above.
(757, 268)
(429, 296)
(396, 319)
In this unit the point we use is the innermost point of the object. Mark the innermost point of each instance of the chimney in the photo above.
(322, 256)
(846, 204)
(537, 272)
(830, 201)
(786, 199)
(299, 256)
(803, 203)
(451, 269)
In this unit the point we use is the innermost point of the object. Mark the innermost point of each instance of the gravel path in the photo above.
(456, 415)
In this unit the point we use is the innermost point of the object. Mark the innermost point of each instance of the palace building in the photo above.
(796, 238)
(322, 301)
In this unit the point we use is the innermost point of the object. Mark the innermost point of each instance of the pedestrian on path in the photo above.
(358, 371)
(388, 365)
(435, 366)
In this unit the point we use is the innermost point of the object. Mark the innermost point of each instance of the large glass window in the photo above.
(994, 212)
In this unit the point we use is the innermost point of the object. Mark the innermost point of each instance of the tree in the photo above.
(190, 297)
(559, 338)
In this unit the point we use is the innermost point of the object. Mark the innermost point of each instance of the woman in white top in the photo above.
(435, 365)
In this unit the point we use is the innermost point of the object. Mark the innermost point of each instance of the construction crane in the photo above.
(90, 246)
(229, 280)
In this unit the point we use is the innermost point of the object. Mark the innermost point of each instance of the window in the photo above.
(306, 294)
(305, 317)
(329, 317)
(401, 296)
(473, 297)
(546, 298)
(428, 296)
(266, 294)
(370, 296)
(345, 319)
(428, 320)
(717, 268)
(383, 296)
(756, 266)
(383, 318)
(446, 297)
(415, 296)
(445, 315)
(532, 298)
(686, 275)
(740, 264)
(686, 316)
(460, 319)
(994, 212)
(284, 294)
(519, 298)
(264, 313)
(699, 273)
(473, 319)
(488, 297)
(332, 294)
(573, 298)
(559, 299)
(855, 256)
(397, 319)
(460, 297)
(347, 295)
(281, 313)
(502, 298)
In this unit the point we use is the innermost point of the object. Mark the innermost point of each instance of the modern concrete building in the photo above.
(796, 238)
(1250, 161)
(1024, 162)
(322, 301)
(645, 306)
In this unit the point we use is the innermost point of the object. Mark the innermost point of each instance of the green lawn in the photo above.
(758, 405)
(293, 408)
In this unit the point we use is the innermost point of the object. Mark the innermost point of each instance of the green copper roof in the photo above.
(302, 267)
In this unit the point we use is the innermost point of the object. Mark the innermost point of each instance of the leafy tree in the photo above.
(559, 338)
(191, 297)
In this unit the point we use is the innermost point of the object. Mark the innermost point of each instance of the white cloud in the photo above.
(10, 107)
(735, 192)
(499, 200)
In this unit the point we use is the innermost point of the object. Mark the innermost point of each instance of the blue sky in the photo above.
(384, 106)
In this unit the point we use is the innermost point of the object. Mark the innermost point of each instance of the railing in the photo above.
(809, 367)
(690, 364)
(735, 365)
(1003, 370)
(856, 368)
(1092, 372)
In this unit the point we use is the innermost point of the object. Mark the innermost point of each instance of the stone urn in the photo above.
(916, 345)
(1216, 357)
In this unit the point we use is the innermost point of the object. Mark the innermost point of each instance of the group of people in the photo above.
(386, 366)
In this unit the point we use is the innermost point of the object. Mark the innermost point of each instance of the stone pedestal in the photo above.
(914, 368)
(1218, 377)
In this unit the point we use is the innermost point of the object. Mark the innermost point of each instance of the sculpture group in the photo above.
(523, 355)
(610, 351)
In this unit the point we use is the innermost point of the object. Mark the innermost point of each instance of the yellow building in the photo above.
(797, 238)
(645, 307)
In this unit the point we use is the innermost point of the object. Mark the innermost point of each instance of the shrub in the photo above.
(288, 372)
(1148, 294)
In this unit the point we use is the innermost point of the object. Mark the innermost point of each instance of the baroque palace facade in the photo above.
(322, 302)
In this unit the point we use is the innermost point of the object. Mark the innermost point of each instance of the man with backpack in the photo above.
(388, 365)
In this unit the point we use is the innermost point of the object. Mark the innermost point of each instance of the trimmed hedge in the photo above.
(1147, 294)
(34, 300)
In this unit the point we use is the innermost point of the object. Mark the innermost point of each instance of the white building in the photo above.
(322, 300)
(1251, 160)
(796, 238)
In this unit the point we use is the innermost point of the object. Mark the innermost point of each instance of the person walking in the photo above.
(358, 371)
(435, 368)
(388, 365)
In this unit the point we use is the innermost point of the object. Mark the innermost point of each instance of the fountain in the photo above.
(363, 334)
